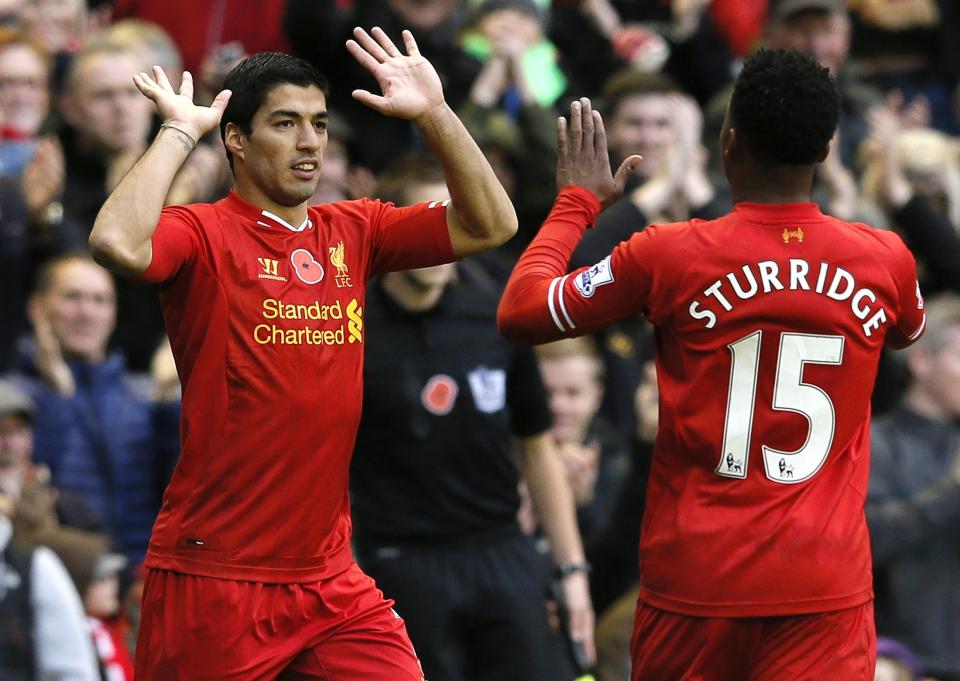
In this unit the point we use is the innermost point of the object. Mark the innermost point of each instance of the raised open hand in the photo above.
(178, 109)
(582, 155)
(410, 85)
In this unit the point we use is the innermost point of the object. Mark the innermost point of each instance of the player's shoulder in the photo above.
(883, 242)
(362, 208)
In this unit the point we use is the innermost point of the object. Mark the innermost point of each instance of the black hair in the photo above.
(251, 81)
(785, 106)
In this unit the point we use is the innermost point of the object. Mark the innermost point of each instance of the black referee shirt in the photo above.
(444, 396)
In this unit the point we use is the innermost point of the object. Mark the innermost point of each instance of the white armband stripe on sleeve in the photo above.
(923, 323)
(563, 307)
(550, 304)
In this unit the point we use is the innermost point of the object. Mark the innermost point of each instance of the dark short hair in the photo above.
(412, 170)
(785, 106)
(251, 81)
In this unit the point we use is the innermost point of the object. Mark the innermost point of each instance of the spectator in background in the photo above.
(510, 106)
(97, 427)
(895, 662)
(913, 506)
(677, 37)
(912, 175)
(43, 634)
(593, 454)
(24, 101)
(200, 28)
(95, 574)
(434, 475)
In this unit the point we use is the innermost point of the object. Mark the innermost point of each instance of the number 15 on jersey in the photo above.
(790, 393)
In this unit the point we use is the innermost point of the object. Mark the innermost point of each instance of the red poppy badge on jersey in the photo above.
(439, 394)
(306, 266)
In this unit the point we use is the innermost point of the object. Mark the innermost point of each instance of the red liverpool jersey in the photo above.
(769, 324)
(266, 324)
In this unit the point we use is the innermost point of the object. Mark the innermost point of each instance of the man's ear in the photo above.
(234, 140)
(824, 153)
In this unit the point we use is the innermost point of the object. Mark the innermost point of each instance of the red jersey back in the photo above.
(769, 324)
(266, 324)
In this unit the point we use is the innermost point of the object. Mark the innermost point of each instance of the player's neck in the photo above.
(762, 183)
(409, 296)
(249, 192)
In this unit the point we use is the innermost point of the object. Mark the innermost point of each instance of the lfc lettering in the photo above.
(798, 275)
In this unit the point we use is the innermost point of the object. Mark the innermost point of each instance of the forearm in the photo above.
(120, 239)
(523, 315)
(482, 212)
(552, 498)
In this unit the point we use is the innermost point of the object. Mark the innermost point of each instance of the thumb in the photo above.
(375, 102)
(220, 103)
(625, 170)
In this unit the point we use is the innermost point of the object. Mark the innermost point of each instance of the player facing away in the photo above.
(769, 322)
(249, 571)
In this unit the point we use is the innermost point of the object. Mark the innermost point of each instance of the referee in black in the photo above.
(452, 415)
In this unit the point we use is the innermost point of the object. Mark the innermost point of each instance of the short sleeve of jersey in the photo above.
(176, 243)
(409, 237)
(619, 286)
(911, 318)
(527, 396)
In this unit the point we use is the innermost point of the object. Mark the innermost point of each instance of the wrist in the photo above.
(436, 116)
(182, 131)
(571, 568)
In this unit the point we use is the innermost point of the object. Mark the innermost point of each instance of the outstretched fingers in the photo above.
(576, 127)
(384, 41)
(563, 140)
(186, 85)
(410, 44)
(369, 45)
(162, 79)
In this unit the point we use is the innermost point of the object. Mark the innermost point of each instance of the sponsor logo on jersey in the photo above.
(346, 329)
(439, 394)
(489, 389)
(598, 275)
(270, 267)
(306, 266)
(792, 234)
(342, 277)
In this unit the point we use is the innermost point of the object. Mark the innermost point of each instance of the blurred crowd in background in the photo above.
(89, 400)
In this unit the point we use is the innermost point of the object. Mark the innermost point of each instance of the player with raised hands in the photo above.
(249, 573)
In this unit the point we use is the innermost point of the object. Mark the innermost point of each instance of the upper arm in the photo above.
(176, 242)
(410, 237)
(911, 318)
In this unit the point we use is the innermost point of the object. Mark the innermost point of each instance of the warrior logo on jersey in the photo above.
(489, 389)
(598, 275)
(792, 234)
(439, 394)
(306, 266)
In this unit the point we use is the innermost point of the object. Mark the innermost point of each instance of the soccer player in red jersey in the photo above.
(249, 571)
(769, 322)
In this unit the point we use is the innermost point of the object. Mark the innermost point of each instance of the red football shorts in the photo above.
(834, 645)
(205, 629)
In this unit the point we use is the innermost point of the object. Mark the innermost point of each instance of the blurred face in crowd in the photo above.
(57, 24)
(825, 36)
(511, 22)
(574, 393)
(16, 448)
(936, 373)
(104, 105)
(103, 597)
(641, 125)
(280, 159)
(422, 15)
(334, 174)
(81, 305)
(24, 94)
